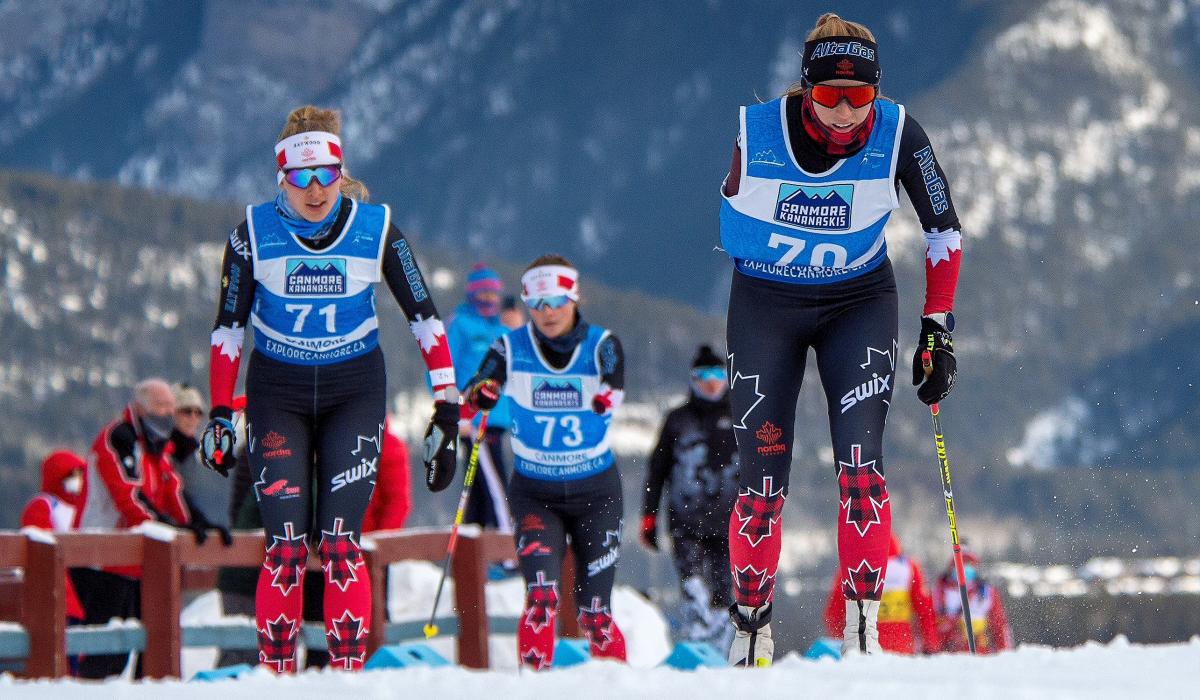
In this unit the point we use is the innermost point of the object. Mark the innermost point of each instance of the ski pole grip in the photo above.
(927, 362)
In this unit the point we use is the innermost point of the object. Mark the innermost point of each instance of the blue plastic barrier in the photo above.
(405, 656)
(571, 652)
(222, 673)
(690, 655)
(825, 647)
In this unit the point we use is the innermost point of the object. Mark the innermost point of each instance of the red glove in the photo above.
(650, 531)
(484, 396)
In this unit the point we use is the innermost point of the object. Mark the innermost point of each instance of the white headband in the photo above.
(307, 150)
(550, 281)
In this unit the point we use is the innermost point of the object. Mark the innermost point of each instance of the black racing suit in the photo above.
(851, 325)
(696, 459)
(314, 436)
(587, 513)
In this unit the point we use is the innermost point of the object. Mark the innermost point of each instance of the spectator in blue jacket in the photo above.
(473, 328)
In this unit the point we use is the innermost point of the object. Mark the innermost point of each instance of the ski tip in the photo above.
(431, 631)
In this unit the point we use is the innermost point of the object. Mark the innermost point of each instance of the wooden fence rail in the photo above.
(37, 600)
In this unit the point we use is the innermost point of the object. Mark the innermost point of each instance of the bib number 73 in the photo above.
(794, 246)
(570, 424)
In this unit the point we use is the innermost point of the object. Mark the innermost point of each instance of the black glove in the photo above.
(441, 437)
(484, 396)
(934, 339)
(200, 527)
(218, 440)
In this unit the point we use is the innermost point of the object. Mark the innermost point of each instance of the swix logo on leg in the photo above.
(286, 559)
(364, 468)
(882, 365)
(863, 490)
(347, 641)
(759, 511)
(863, 582)
(752, 586)
(541, 603)
(612, 541)
(596, 622)
(340, 555)
(277, 643)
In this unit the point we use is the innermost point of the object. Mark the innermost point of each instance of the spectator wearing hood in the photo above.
(474, 328)
(906, 618)
(56, 507)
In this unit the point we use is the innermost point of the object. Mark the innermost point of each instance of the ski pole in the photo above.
(431, 629)
(944, 468)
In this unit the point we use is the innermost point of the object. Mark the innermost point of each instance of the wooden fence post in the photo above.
(162, 580)
(471, 600)
(377, 571)
(44, 606)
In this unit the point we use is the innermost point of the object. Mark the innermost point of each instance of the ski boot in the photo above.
(752, 645)
(862, 628)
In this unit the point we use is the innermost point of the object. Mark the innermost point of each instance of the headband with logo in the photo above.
(550, 281)
(307, 150)
(841, 58)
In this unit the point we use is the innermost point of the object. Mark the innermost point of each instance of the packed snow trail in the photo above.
(1118, 670)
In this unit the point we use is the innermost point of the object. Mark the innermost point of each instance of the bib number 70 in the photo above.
(819, 252)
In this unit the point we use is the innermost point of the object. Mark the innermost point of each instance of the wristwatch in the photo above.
(945, 319)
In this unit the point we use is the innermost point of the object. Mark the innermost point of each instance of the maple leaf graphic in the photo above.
(228, 339)
(941, 245)
(769, 433)
(429, 332)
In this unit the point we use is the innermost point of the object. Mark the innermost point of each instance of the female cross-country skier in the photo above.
(564, 378)
(301, 269)
(814, 178)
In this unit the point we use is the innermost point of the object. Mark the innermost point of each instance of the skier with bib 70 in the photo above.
(814, 178)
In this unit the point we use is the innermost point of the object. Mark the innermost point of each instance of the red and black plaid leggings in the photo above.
(851, 327)
(314, 439)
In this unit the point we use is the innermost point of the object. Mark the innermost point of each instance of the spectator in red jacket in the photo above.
(56, 508)
(905, 608)
(392, 499)
(992, 633)
(131, 480)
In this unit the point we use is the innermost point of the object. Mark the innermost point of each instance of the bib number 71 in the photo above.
(819, 252)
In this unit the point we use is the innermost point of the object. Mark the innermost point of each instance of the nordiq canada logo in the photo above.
(824, 207)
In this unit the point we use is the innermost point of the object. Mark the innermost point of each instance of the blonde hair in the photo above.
(830, 24)
(550, 259)
(310, 118)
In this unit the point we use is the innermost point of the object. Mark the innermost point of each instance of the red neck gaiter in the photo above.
(834, 143)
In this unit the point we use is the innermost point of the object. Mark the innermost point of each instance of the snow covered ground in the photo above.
(1117, 670)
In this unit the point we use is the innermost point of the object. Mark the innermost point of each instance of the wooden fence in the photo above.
(170, 565)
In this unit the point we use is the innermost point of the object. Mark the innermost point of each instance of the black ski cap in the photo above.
(705, 357)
